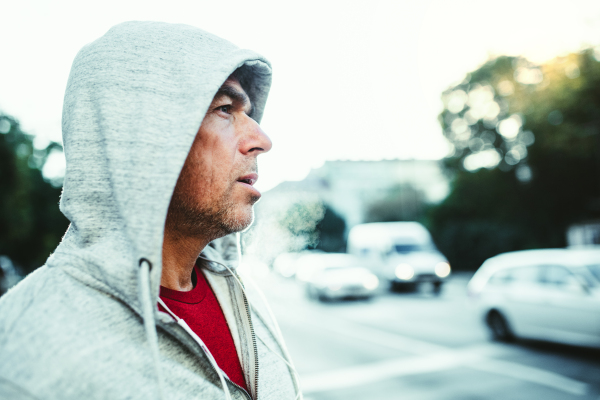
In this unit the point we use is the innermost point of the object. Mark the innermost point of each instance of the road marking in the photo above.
(406, 366)
(363, 333)
(432, 358)
(375, 372)
(531, 374)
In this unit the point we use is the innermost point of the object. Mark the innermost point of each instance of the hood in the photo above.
(134, 102)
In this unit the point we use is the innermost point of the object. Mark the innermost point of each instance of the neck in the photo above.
(178, 258)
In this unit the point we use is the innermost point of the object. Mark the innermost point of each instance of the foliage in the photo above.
(31, 222)
(331, 231)
(527, 156)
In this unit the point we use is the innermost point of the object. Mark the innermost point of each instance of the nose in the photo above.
(255, 140)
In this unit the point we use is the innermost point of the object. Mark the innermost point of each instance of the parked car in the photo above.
(551, 294)
(401, 252)
(329, 276)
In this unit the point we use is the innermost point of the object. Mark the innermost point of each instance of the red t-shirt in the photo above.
(200, 309)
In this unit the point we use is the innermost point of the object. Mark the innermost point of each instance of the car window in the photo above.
(585, 276)
(558, 276)
(501, 277)
(595, 270)
(529, 274)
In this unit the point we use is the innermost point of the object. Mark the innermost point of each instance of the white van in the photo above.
(401, 252)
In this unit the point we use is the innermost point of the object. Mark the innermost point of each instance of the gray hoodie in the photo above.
(86, 324)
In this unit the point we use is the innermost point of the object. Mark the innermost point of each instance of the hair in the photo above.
(244, 75)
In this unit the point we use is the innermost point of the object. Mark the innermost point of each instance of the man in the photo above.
(161, 136)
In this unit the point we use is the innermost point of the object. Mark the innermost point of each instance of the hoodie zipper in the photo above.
(249, 396)
(238, 386)
(246, 304)
(253, 344)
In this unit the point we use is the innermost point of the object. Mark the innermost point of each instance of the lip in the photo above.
(250, 178)
(248, 181)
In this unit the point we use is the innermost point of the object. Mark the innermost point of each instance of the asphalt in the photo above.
(419, 346)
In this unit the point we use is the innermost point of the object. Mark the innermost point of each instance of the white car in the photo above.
(329, 276)
(551, 294)
(403, 253)
(409, 265)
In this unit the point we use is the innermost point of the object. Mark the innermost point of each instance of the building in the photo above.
(349, 187)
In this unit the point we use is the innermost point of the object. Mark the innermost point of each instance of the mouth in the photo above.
(249, 179)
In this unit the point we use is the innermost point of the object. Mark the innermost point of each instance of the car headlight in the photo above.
(371, 282)
(442, 269)
(404, 271)
(334, 287)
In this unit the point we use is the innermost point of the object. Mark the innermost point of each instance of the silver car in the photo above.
(403, 253)
(412, 264)
(330, 276)
(551, 294)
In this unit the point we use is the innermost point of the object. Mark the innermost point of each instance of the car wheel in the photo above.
(499, 327)
(323, 299)
(437, 288)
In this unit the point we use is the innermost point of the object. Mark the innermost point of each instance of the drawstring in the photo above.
(151, 336)
(278, 336)
(148, 316)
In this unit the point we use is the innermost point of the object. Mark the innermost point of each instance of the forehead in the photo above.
(233, 90)
(234, 82)
(232, 87)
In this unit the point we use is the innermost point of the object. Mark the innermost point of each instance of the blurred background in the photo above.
(415, 145)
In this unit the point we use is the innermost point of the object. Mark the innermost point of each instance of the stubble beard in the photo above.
(215, 220)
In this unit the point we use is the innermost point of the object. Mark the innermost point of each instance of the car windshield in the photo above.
(595, 270)
(411, 248)
(584, 276)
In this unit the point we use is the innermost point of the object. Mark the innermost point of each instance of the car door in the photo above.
(524, 300)
(572, 309)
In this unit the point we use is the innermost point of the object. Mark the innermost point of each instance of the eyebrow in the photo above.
(236, 96)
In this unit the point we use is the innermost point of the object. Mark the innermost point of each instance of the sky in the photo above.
(358, 80)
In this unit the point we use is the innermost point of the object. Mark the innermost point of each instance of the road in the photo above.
(419, 346)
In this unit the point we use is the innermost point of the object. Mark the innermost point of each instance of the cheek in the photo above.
(193, 179)
(211, 167)
(215, 179)
(223, 164)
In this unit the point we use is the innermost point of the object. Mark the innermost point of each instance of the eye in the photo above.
(225, 108)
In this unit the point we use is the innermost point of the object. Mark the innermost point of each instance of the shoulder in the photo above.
(54, 329)
(50, 300)
(9, 390)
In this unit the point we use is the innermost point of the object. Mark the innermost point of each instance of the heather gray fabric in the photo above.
(86, 325)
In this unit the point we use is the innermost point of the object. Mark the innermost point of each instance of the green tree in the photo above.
(526, 163)
(31, 224)
(331, 230)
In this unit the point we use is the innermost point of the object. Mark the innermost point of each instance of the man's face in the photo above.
(214, 194)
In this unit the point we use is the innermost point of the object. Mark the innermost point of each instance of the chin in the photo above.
(240, 220)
